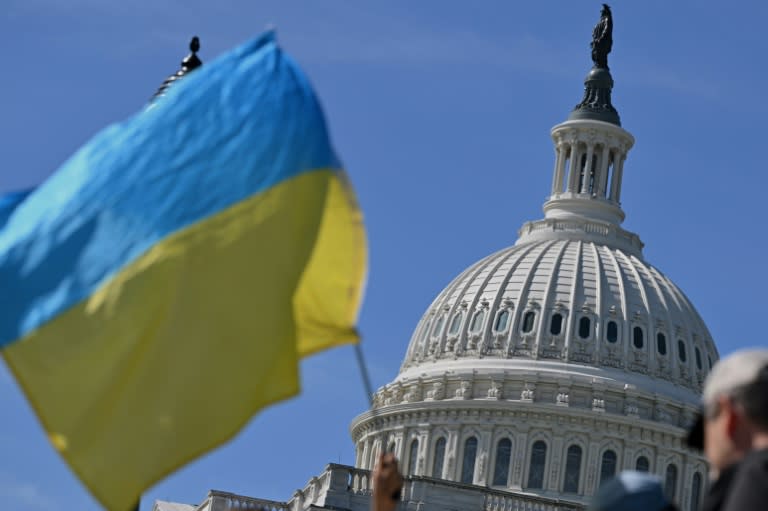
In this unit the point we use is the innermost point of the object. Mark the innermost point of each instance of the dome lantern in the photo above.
(590, 150)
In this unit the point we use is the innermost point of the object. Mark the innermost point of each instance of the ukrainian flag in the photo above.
(160, 288)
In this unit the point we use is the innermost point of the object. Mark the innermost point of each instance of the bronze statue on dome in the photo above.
(602, 38)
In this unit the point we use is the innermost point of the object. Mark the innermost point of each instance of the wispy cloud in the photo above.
(676, 82)
(25, 497)
(404, 46)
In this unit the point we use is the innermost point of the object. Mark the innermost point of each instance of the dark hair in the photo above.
(753, 398)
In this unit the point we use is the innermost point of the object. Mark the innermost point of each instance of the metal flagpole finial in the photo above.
(190, 63)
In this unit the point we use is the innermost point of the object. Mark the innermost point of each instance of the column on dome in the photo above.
(557, 452)
(518, 468)
(560, 157)
(365, 459)
(359, 449)
(605, 162)
(374, 451)
(629, 455)
(573, 175)
(399, 440)
(483, 458)
(593, 465)
(618, 170)
(452, 448)
(422, 468)
(587, 170)
(686, 473)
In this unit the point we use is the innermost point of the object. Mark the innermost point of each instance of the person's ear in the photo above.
(730, 416)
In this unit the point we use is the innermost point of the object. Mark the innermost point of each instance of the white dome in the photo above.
(548, 366)
(581, 306)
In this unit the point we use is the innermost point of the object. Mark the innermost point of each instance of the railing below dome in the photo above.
(350, 488)
(219, 500)
(345, 487)
(587, 230)
(495, 502)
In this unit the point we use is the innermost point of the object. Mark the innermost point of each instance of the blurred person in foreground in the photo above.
(387, 484)
(732, 429)
(631, 491)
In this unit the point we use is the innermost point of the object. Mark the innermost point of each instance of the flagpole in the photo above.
(364, 373)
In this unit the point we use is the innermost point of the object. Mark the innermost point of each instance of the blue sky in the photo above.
(441, 111)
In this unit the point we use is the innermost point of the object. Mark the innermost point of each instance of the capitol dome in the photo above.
(579, 305)
(551, 365)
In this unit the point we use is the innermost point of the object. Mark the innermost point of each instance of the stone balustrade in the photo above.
(225, 501)
(350, 488)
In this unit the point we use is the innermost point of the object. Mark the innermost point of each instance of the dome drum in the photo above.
(434, 440)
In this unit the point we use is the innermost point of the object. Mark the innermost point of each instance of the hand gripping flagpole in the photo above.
(397, 495)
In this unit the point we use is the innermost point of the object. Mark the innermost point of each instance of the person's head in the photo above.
(631, 491)
(734, 415)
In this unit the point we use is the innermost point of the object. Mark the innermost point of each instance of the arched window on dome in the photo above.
(438, 326)
(585, 327)
(709, 359)
(661, 343)
(642, 464)
(502, 321)
(697, 354)
(612, 332)
(572, 470)
(413, 455)
(695, 492)
(439, 458)
(607, 466)
(681, 351)
(468, 460)
(670, 482)
(556, 324)
(638, 337)
(391, 447)
(456, 323)
(477, 321)
(529, 319)
(501, 466)
(538, 461)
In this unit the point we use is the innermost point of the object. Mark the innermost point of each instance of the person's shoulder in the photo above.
(757, 459)
(749, 488)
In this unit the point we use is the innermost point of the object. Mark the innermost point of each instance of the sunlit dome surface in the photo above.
(581, 303)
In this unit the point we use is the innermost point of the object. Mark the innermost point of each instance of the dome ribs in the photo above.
(478, 299)
(420, 337)
(550, 295)
(501, 294)
(636, 358)
(456, 301)
(526, 304)
(621, 282)
(600, 284)
(572, 296)
(654, 326)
